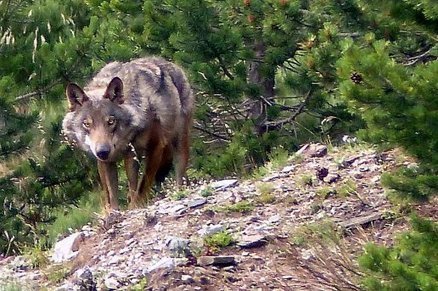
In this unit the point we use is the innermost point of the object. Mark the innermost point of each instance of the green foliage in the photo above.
(71, 217)
(411, 264)
(266, 196)
(207, 191)
(239, 207)
(10, 286)
(180, 194)
(397, 102)
(323, 232)
(37, 256)
(218, 240)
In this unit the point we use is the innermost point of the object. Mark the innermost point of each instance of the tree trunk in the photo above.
(259, 75)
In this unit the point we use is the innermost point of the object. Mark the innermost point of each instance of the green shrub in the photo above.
(411, 264)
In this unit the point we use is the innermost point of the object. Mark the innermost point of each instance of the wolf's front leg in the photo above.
(109, 178)
(132, 166)
(153, 163)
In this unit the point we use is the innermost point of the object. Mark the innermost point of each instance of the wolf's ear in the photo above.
(75, 96)
(114, 91)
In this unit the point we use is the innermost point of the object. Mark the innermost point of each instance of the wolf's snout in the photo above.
(103, 152)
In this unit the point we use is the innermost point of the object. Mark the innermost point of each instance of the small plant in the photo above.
(57, 273)
(348, 188)
(306, 180)
(323, 231)
(296, 158)
(180, 194)
(11, 286)
(207, 192)
(140, 286)
(260, 172)
(68, 218)
(239, 207)
(315, 207)
(37, 256)
(278, 158)
(218, 240)
(325, 192)
(265, 190)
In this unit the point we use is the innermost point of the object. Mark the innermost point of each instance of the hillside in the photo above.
(298, 226)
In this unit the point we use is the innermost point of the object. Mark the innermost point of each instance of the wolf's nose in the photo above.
(103, 152)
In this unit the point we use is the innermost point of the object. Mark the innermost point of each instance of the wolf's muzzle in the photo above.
(103, 152)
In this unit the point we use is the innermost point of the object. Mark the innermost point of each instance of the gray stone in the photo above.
(211, 229)
(361, 220)
(288, 169)
(164, 263)
(216, 260)
(178, 246)
(220, 185)
(85, 280)
(331, 178)
(111, 283)
(252, 241)
(187, 279)
(313, 150)
(67, 248)
(271, 177)
(177, 210)
(196, 202)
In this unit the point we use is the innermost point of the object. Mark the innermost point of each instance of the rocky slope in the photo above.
(298, 227)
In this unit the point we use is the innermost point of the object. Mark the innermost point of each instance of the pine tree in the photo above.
(392, 85)
(411, 264)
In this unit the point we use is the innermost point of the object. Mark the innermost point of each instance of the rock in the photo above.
(115, 260)
(331, 178)
(288, 169)
(196, 202)
(274, 219)
(349, 161)
(211, 229)
(164, 263)
(361, 220)
(313, 150)
(177, 210)
(85, 280)
(252, 241)
(187, 279)
(216, 260)
(271, 177)
(321, 173)
(67, 286)
(67, 248)
(178, 246)
(111, 283)
(221, 185)
(20, 263)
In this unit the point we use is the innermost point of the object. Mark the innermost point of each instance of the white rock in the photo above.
(187, 279)
(288, 169)
(111, 283)
(164, 263)
(67, 248)
(211, 229)
(220, 185)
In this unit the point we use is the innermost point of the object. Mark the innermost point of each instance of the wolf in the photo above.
(135, 111)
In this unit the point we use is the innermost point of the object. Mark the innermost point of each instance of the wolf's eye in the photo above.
(86, 123)
(111, 120)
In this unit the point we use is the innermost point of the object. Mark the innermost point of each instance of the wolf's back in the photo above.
(149, 74)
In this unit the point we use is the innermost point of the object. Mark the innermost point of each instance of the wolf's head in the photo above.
(97, 121)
